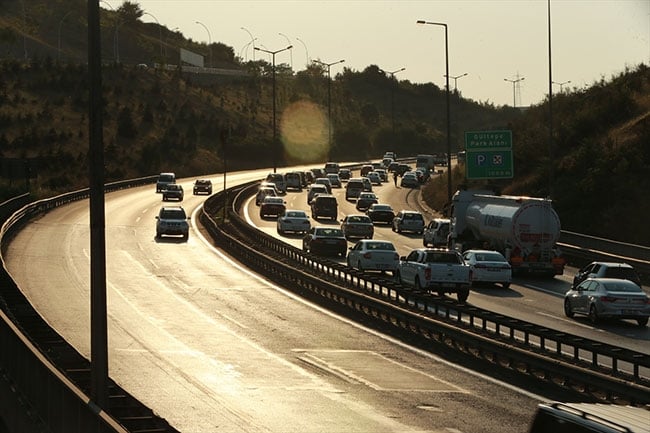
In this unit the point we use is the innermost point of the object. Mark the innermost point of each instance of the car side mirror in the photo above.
(157, 217)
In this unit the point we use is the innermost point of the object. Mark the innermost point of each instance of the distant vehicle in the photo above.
(462, 157)
(391, 155)
(403, 168)
(172, 220)
(440, 159)
(314, 190)
(325, 240)
(374, 178)
(164, 179)
(318, 172)
(353, 188)
(365, 169)
(611, 298)
(607, 270)
(365, 200)
(279, 181)
(383, 174)
(367, 185)
(324, 205)
(173, 191)
(345, 174)
(331, 167)
(393, 166)
(436, 232)
(386, 162)
(262, 192)
(373, 255)
(409, 180)
(435, 270)
(272, 206)
(425, 162)
(408, 221)
(488, 267)
(324, 181)
(293, 180)
(556, 417)
(265, 184)
(293, 220)
(357, 226)
(309, 176)
(335, 180)
(381, 213)
(202, 186)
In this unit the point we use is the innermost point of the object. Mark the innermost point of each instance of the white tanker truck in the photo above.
(524, 229)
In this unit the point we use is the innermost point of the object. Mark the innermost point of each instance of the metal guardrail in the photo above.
(603, 371)
(44, 381)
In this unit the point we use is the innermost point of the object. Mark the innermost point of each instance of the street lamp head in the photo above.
(420, 22)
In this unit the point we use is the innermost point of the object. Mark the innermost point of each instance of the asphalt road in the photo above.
(212, 347)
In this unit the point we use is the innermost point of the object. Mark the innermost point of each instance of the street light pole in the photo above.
(561, 84)
(514, 94)
(456, 81)
(448, 105)
(290, 51)
(58, 57)
(159, 33)
(306, 52)
(275, 146)
(329, 99)
(209, 42)
(393, 83)
(252, 40)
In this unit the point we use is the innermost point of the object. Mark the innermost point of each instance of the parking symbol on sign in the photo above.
(497, 159)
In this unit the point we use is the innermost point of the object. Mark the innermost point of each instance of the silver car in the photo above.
(373, 255)
(599, 298)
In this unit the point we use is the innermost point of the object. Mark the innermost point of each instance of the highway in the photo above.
(211, 347)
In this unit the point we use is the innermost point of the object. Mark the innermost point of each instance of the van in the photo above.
(331, 167)
(279, 181)
(293, 179)
(164, 179)
(353, 188)
(589, 418)
(324, 205)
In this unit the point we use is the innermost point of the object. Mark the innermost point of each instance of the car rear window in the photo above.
(441, 258)
(624, 273)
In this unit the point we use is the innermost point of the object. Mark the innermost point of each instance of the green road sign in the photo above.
(489, 155)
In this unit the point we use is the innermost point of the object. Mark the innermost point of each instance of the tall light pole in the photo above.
(116, 35)
(393, 83)
(159, 33)
(514, 85)
(561, 84)
(58, 56)
(448, 105)
(306, 52)
(290, 51)
(209, 41)
(329, 98)
(456, 81)
(252, 40)
(275, 141)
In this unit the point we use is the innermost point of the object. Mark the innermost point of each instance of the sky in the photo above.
(502, 45)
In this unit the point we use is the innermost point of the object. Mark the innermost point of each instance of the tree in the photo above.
(130, 11)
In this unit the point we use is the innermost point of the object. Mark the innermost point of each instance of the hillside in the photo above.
(158, 119)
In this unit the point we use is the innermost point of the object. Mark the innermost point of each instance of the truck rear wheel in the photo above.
(462, 295)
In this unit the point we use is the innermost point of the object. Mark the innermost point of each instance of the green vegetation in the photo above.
(159, 118)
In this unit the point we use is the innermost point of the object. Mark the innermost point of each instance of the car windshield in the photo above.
(381, 207)
(358, 219)
(437, 257)
(273, 200)
(621, 286)
(329, 232)
(412, 216)
(621, 272)
(172, 214)
(296, 214)
(490, 257)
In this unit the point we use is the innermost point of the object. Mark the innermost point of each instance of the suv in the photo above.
(408, 221)
(172, 220)
(589, 418)
(331, 167)
(164, 179)
(173, 191)
(293, 180)
(607, 270)
(279, 181)
(324, 205)
(353, 188)
(202, 186)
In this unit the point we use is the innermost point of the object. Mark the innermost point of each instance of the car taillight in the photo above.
(607, 299)
(427, 274)
(367, 255)
(480, 266)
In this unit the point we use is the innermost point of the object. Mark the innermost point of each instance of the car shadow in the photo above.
(496, 290)
(623, 327)
(170, 240)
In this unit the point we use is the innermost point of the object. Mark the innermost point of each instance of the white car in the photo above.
(374, 177)
(293, 220)
(314, 190)
(373, 255)
(488, 267)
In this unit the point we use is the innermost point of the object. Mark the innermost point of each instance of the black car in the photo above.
(365, 200)
(325, 240)
(381, 213)
(202, 186)
(324, 205)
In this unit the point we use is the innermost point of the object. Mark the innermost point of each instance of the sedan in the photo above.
(357, 226)
(335, 180)
(488, 267)
(295, 221)
(368, 254)
(366, 199)
(374, 178)
(599, 298)
(381, 213)
(325, 240)
(409, 180)
(272, 206)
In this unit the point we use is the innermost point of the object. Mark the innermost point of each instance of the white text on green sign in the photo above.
(488, 139)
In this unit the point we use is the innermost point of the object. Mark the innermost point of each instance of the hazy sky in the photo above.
(489, 40)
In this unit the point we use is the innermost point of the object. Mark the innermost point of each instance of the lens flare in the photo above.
(304, 133)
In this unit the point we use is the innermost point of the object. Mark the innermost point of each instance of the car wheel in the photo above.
(593, 314)
(642, 321)
(568, 311)
(359, 266)
(304, 247)
(417, 284)
(505, 285)
(462, 295)
(397, 277)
